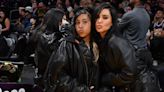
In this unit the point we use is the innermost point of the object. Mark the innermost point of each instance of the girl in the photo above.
(74, 66)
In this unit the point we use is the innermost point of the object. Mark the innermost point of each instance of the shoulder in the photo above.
(129, 14)
(120, 43)
(67, 42)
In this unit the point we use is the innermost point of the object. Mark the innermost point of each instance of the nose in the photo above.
(80, 25)
(99, 20)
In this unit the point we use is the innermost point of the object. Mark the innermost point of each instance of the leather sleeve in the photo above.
(59, 67)
(127, 61)
(124, 58)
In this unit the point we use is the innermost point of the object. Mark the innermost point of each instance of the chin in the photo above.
(100, 31)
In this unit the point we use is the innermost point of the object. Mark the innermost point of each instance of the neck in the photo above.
(160, 19)
(87, 40)
(103, 34)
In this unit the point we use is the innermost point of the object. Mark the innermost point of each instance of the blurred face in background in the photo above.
(22, 12)
(85, 3)
(83, 25)
(159, 14)
(2, 14)
(34, 5)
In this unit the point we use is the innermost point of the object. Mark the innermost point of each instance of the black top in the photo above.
(4, 33)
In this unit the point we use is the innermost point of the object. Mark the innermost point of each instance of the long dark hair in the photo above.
(80, 11)
(113, 13)
(51, 20)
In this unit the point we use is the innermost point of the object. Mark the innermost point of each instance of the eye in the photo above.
(77, 22)
(84, 22)
(105, 17)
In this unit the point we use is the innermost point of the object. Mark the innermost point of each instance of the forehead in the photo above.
(160, 11)
(104, 12)
(82, 17)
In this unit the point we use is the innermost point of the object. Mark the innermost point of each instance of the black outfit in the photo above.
(71, 69)
(4, 33)
(117, 63)
(157, 43)
(44, 43)
(4, 48)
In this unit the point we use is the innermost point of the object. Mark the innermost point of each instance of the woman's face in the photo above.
(83, 25)
(2, 14)
(159, 14)
(104, 21)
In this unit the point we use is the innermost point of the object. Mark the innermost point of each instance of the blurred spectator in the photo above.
(60, 5)
(161, 4)
(19, 27)
(34, 7)
(148, 9)
(34, 23)
(28, 15)
(4, 24)
(125, 3)
(4, 32)
(128, 8)
(97, 2)
(157, 42)
(86, 3)
(42, 9)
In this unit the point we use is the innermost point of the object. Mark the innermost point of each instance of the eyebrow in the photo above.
(105, 15)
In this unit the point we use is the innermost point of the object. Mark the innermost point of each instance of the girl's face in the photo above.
(103, 22)
(83, 25)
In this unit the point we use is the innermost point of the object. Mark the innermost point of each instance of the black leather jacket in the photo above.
(47, 43)
(71, 68)
(117, 62)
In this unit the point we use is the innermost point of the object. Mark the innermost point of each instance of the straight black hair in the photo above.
(97, 11)
(80, 11)
(51, 20)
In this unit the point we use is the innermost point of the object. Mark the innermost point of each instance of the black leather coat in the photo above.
(117, 63)
(71, 68)
(47, 43)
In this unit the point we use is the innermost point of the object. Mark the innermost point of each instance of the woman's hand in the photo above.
(158, 32)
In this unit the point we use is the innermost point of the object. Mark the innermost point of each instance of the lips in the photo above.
(98, 26)
(80, 31)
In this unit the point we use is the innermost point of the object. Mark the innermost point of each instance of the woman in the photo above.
(157, 44)
(74, 66)
(4, 24)
(117, 59)
(4, 32)
(45, 40)
(157, 36)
